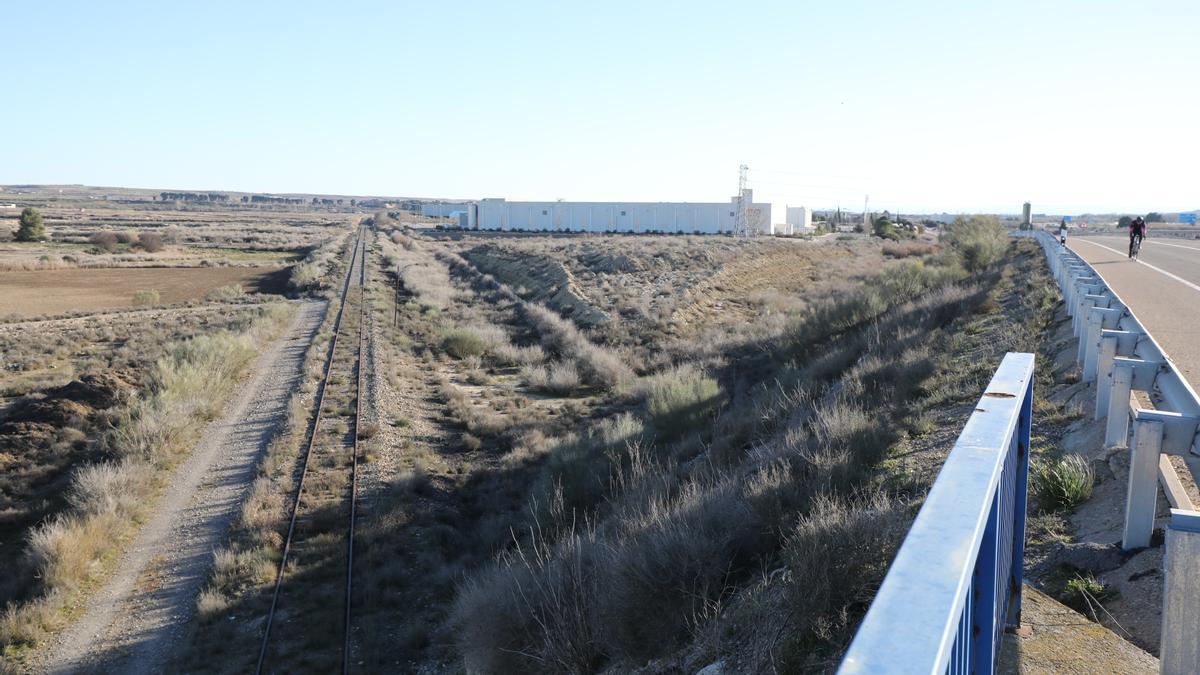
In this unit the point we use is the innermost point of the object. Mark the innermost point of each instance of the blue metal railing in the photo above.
(956, 581)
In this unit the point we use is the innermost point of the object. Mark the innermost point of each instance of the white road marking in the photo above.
(1160, 270)
(1163, 243)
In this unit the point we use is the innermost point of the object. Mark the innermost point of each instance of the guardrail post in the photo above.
(1099, 318)
(1116, 431)
(1179, 650)
(1106, 353)
(1142, 496)
(1089, 296)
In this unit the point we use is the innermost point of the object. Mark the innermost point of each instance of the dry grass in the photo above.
(107, 500)
(597, 366)
(680, 400)
(643, 552)
(559, 378)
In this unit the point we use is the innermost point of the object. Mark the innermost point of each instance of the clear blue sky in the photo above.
(923, 105)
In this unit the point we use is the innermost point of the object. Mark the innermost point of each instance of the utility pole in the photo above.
(741, 224)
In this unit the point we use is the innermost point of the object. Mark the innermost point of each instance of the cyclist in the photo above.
(1137, 232)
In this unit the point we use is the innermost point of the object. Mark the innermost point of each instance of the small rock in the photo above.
(1091, 557)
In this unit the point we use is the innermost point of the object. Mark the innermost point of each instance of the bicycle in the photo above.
(1135, 245)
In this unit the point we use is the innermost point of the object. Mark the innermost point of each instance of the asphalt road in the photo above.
(1162, 287)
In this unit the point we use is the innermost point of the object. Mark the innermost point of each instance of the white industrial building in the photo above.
(665, 217)
(798, 221)
(442, 209)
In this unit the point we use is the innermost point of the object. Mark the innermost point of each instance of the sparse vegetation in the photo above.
(680, 400)
(607, 454)
(146, 298)
(107, 498)
(230, 293)
(556, 378)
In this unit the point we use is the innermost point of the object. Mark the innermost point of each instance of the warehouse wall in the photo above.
(500, 214)
(442, 209)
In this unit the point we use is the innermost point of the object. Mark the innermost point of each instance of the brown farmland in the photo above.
(50, 292)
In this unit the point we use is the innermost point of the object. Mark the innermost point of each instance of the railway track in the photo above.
(314, 582)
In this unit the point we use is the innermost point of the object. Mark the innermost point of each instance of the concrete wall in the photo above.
(669, 217)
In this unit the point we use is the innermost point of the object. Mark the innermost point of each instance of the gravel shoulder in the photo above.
(130, 625)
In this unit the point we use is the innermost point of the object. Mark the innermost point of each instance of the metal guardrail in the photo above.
(956, 581)
(1119, 355)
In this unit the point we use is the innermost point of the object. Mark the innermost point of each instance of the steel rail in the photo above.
(362, 338)
(316, 425)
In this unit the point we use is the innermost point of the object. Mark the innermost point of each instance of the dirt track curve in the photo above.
(130, 625)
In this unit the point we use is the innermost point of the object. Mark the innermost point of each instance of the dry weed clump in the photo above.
(463, 342)
(230, 293)
(840, 538)
(680, 399)
(598, 366)
(560, 378)
(104, 241)
(150, 242)
(480, 419)
(146, 298)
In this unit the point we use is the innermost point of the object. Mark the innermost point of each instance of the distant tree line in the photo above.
(328, 202)
(193, 196)
(1152, 217)
(267, 199)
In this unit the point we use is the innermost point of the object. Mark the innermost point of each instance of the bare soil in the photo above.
(42, 292)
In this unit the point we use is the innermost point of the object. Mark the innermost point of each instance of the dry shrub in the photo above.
(511, 355)
(907, 249)
(311, 273)
(399, 238)
(478, 419)
(230, 293)
(368, 431)
(837, 555)
(105, 241)
(420, 273)
(146, 298)
(680, 399)
(130, 238)
(557, 378)
(150, 242)
(597, 365)
(980, 240)
(462, 343)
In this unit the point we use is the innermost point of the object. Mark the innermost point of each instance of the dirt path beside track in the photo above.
(130, 625)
